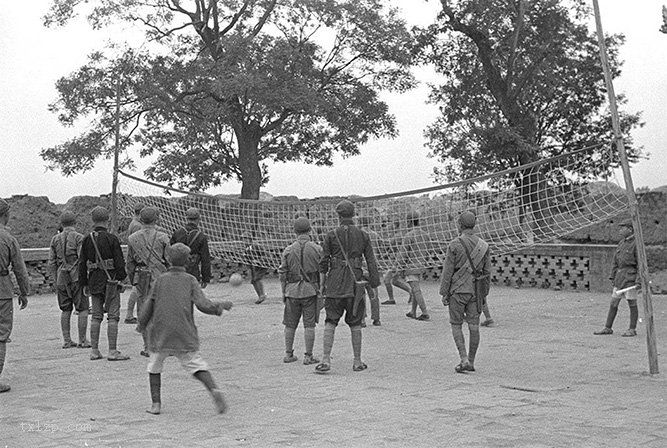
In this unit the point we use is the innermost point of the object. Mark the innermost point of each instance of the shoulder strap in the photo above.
(194, 238)
(467, 250)
(100, 263)
(347, 260)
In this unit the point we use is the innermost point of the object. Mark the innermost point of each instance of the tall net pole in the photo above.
(647, 300)
(114, 182)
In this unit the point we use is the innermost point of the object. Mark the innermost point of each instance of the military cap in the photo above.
(345, 209)
(467, 220)
(138, 207)
(149, 215)
(99, 214)
(301, 225)
(67, 218)
(192, 214)
(4, 207)
(178, 254)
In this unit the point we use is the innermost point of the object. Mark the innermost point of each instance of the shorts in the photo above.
(257, 273)
(633, 294)
(6, 318)
(192, 362)
(463, 307)
(295, 308)
(336, 307)
(100, 306)
(74, 299)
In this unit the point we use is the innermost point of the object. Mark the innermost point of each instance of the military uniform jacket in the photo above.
(456, 272)
(10, 257)
(339, 280)
(64, 255)
(198, 244)
(414, 252)
(624, 267)
(299, 268)
(109, 247)
(147, 247)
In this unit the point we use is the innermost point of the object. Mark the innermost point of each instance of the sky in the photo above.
(33, 57)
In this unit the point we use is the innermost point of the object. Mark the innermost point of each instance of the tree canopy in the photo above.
(225, 86)
(521, 80)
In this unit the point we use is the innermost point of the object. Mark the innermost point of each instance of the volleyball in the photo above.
(235, 279)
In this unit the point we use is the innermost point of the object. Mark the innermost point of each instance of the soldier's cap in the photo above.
(178, 254)
(4, 207)
(301, 225)
(625, 223)
(345, 209)
(192, 214)
(149, 215)
(67, 218)
(138, 207)
(99, 214)
(467, 220)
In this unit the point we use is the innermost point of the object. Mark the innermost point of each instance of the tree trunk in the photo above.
(251, 173)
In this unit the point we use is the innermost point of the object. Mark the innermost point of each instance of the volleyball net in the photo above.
(516, 208)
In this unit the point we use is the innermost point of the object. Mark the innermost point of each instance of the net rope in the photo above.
(515, 208)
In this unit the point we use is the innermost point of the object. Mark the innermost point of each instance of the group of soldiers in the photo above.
(168, 275)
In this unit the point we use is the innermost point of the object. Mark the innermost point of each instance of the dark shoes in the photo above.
(605, 330)
(424, 317)
(145, 354)
(410, 315)
(389, 302)
(130, 320)
(464, 368)
(69, 344)
(487, 323)
(629, 332)
(377, 323)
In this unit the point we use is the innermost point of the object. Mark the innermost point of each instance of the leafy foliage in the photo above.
(521, 81)
(228, 85)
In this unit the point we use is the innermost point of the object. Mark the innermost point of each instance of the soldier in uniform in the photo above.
(344, 250)
(10, 256)
(457, 288)
(199, 262)
(100, 263)
(146, 258)
(135, 225)
(414, 248)
(64, 265)
(624, 276)
(300, 283)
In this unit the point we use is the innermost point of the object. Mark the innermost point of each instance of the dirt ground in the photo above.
(542, 380)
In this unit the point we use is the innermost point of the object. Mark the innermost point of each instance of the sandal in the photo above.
(310, 359)
(410, 315)
(461, 368)
(359, 368)
(322, 367)
(290, 358)
(118, 356)
(94, 356)
(5, 388)
(69, 344)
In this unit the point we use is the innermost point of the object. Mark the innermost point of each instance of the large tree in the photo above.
(224, 86)
(522, 80)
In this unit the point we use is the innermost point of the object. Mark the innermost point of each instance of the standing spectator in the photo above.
(168, 319)
(10, 257)
(624, 276)
(64, 264)
(199, 261)
(378, 246)
(253, 252)
(458, 290)
(411, 256)
(135, 225)
(344, 250)
(300, 282)
(101, 264)
(146, 258)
